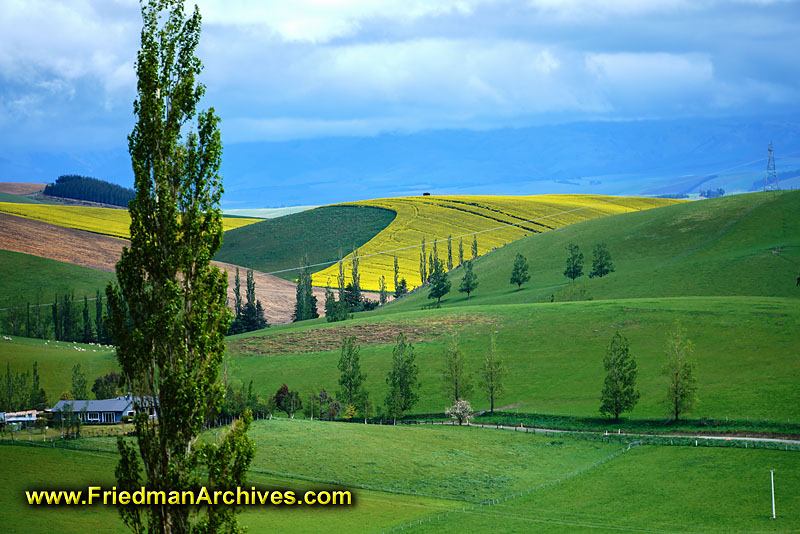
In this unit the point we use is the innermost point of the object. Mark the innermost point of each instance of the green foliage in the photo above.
(475, 247)
(574, 267)
(619, 392)
(384, 295)
(402, 379)
(14, 391)
(305, 306)
(456, 382)
(335, 310)
(288, 401)
(351, 379)
(601, 262)
(79, 384)
(469, 282)
(272, 244)
(491, 374)
(679, 371)
(248, 316)
(439, 282)
(169, 317)
(402, 289)
(449, 253)
(106, 387)
(423, 264)
(519, 273)
(461, 251)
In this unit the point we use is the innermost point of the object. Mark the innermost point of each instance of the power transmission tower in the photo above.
(771, 178)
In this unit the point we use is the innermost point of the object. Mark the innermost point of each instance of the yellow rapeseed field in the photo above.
(437, 217)
(107, 221)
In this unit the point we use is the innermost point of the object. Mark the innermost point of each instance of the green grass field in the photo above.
(653, 489)
(574, 485)
(279, 243)
(34, 468)
(23, 277)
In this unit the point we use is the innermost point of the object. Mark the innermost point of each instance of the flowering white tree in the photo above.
(461, 411)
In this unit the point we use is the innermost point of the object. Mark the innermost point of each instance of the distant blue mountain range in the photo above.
(652, 157)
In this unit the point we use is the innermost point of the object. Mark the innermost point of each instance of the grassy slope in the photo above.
(23, 277)
(44, 468)
(651, 489)
(279, 243)
(745, 348)
(56, 360)
(19, 199)
(711, 247)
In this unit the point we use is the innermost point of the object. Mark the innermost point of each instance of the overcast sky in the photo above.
(279, 70)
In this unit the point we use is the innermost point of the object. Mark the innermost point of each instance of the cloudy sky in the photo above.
(304, 69)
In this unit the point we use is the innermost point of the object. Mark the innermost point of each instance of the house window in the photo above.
(93, 416)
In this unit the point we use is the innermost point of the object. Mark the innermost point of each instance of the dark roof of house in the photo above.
(119, 404)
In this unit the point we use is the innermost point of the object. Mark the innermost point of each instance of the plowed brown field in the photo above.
(19, 188)
(101, 252)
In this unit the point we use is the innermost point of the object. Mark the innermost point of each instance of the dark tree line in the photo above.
(90, 189)
(66, 320)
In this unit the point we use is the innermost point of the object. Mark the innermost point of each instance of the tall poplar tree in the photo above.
(449, 253)
(492, 374)
(456, 379)
(169, 317)
(402, 379)
(679, 371)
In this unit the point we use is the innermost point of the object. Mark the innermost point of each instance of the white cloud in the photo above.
(320, 21)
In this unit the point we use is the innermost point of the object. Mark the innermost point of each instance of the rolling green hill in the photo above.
(23, 277)
(279, 243)
(740, 245)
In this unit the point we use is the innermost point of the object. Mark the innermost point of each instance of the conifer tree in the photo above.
(461, 251)
(475, 247)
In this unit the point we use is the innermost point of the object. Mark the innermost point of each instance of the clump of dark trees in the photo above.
(248, 315)
(66, 320)
(90, 189)
(712, 193)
